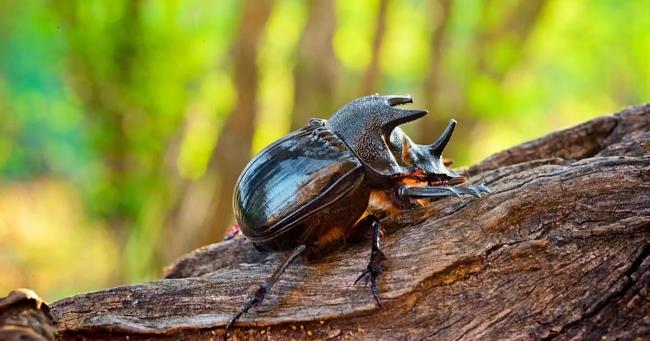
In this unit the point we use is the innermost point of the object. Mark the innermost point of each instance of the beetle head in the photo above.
(366, 124)
(427, 158)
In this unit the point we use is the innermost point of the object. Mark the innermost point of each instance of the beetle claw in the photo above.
(469, 190)
(482, 188)
(362, 275)
(474, 190)
(371, 274)
(374, 269)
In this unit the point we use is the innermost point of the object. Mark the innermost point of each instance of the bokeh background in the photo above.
(124, 124)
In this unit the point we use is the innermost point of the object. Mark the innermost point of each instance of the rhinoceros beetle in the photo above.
(333, 180)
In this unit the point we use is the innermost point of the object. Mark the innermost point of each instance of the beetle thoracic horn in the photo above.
(399, 100)
(398, 117)
(438, 146)
(394, 117)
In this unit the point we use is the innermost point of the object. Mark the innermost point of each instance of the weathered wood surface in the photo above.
(24, 316)
(559, 250)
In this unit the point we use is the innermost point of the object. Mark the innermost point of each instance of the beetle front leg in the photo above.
(373, 270)
(422, 192)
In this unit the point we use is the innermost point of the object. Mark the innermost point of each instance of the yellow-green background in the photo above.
(110, 111)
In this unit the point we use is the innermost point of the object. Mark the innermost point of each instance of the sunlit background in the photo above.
(124, 124)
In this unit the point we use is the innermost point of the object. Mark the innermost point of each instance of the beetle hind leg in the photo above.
(374, 269)
(266, 286)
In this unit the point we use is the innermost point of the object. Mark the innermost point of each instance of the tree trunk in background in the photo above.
(559, 250)
(516, 27)
(234, 145)
(316, 68)
(432, 88)
(106, 105)
(445, 98)
(370, 79)
(202, 211)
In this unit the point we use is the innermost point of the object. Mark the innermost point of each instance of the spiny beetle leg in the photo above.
(474, 190)
(264, 288)
(256, 300)
(468, 190)
(413, 192)
(373, 270)
(481, 188)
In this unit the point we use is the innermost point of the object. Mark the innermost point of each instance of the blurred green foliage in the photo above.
(111, 111)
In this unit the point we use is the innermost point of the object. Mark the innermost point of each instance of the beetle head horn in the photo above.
(439, 146)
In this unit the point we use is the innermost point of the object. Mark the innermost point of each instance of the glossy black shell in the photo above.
(299, 187)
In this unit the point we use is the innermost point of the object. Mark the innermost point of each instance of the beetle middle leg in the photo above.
(266, 286)
(373, 270)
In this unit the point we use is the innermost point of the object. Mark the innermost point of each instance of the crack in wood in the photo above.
(627, 284)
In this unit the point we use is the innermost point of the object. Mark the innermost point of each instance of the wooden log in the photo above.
(558, 250)
(24, 316)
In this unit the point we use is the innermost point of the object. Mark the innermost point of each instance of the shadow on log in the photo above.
(559, 250)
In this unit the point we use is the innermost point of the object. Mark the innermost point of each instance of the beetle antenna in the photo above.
(438, 146)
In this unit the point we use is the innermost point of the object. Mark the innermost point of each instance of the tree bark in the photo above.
(558, 250)
(234, 145)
